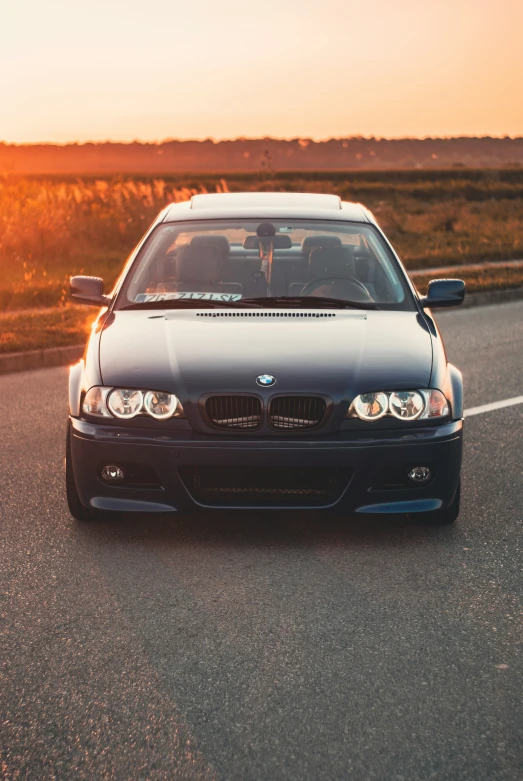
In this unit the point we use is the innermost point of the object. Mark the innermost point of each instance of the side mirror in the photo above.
(88, 290)
(444, 292)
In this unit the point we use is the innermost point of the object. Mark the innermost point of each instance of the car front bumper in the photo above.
(360, 457)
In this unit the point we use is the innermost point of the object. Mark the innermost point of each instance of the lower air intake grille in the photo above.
(293, 412)
(234, 411)
(245, 486)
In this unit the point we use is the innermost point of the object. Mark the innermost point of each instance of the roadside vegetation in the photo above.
(497, 278)
(54, 227)
(37, 329)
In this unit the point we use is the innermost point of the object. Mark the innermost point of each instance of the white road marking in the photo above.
(492, 406)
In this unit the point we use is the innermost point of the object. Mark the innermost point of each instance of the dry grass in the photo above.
(51, 228)
(502, 278)
(36, 329)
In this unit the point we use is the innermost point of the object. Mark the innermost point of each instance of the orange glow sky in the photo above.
(124, 70)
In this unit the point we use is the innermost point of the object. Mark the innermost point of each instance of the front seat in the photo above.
(200, 268)
(207, 240)
(301, 271)
(325, 262)
(338, 265)
(313, 242)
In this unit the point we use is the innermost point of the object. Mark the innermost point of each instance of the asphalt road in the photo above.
(288, 647)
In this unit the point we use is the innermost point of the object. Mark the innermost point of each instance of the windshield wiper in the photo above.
(189, 303)
(310, 301)
(262, 301)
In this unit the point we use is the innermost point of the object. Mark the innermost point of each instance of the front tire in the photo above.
(446, 516)
(76, 508)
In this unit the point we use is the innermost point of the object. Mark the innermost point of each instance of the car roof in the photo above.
(266, 205)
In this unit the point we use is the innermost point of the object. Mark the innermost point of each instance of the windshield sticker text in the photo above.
(143, 298)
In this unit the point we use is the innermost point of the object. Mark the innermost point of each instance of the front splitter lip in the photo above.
(402, 507)
(121, 505)
(138, 506)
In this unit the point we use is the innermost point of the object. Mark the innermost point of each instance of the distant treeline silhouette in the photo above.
(261, 155)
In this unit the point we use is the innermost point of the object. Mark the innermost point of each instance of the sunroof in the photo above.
(266, 200)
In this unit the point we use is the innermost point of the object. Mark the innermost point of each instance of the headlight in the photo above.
(160, 405)
(127, 403)
(371, 406)
(436, 405)
(403, 405)
(406, 405)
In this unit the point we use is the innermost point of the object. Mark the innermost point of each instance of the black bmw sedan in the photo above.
(265, 350)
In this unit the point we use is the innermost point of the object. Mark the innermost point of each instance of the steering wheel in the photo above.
(359, 291)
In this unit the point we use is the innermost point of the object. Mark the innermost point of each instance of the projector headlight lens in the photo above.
(124, 403)
(406, 405)
(160, 405)
(371, 406)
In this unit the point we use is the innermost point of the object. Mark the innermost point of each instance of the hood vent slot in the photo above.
(265, 314)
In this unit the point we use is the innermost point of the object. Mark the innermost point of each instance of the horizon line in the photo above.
(308, 139)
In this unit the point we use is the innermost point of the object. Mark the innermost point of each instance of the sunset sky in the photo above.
(110, 69)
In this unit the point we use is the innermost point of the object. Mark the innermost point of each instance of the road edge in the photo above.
(40, 359)
(61, 356)
(487, 297)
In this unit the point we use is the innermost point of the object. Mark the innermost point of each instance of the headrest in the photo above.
(216, 241)
(311, 242)
(200, 263)
(325, 262)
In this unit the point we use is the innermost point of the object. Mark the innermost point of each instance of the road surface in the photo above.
(288, 647)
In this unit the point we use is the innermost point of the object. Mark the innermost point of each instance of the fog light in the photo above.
(420, 474)
(112, 473)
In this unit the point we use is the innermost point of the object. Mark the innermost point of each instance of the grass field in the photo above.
(40, 328)
(51, 228)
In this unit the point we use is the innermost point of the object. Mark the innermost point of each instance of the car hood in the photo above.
(336, 353)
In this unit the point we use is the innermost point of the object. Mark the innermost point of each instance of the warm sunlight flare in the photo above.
(127, 70)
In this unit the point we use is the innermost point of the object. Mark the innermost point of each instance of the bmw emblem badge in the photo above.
(265, 380)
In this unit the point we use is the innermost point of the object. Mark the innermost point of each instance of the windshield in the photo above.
(237, 262)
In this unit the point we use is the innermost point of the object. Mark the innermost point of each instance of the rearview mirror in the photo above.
(279, 241)
(88, 290)
(444, 292)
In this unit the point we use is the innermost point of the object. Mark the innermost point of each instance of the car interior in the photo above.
(321, 265)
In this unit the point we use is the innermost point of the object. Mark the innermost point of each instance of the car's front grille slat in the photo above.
(286, 413)
(296, 412)
(237, 412)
